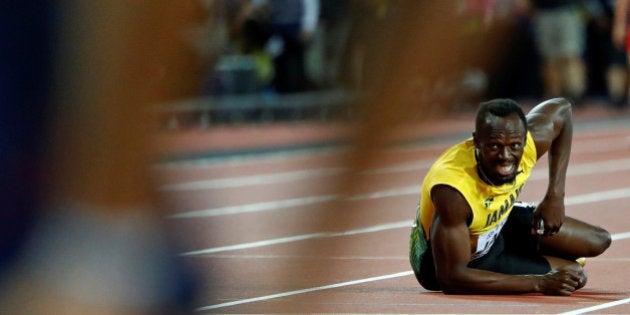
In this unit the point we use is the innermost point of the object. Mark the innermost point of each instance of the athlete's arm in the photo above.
(551, 126)
(451, 251)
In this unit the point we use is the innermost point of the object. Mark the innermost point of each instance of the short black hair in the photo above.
(500, 107)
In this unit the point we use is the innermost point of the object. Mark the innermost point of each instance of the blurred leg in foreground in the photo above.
(25, 44)
(99, 245)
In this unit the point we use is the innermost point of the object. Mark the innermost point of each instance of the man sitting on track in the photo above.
(472, 236)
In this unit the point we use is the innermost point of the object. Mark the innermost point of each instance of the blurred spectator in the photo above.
(250, 30)
(514, 73)
(560, 37)
(606, 62)
(270, 38)
(621, 33)
(292, 26)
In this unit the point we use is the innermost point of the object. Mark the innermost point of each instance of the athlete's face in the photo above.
(500, 142)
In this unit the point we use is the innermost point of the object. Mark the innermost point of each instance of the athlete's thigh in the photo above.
(575, 239)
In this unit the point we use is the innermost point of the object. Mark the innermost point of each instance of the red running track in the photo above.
(292, 231)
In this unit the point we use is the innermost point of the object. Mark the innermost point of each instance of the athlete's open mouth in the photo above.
(505, 169)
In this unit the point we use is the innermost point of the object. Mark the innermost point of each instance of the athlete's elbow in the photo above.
(563, 110)
(451, 285)
(453, 291)
(561, 103)
(566, 107)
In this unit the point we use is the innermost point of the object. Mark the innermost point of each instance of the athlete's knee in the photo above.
(599, 240)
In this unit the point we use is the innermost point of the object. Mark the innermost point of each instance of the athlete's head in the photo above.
(500, 134)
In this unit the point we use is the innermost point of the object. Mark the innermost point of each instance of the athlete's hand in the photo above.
(561, 281)
(551, 211)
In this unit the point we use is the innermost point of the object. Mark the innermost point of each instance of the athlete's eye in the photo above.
(516, 146)
(493, 146)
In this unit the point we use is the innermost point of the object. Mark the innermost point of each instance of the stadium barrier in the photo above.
(257, 108)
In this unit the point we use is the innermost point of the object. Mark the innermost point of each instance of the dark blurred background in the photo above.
(259, 61)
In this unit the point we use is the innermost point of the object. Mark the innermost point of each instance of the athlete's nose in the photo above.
(504, 152)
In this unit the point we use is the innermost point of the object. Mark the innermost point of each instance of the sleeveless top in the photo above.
(490, 205)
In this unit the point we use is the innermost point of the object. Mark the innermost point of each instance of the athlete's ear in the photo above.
(475, 140)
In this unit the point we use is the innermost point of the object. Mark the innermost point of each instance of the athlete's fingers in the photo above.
(540, 226)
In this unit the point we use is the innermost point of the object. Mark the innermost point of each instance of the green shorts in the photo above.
(515, 251)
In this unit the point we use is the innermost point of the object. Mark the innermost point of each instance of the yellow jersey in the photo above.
(491, 205)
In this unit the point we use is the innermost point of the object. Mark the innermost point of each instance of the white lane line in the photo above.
(575, 170)
(575, 200)
(598, 196)
(282, 155)
(589, 168)
(256, 207)
(241, 181)
(404, 191)
(596, 307)
(620, 236)
(295, 202)
(390, 276)
(371, 229)
(289, 293)
(314, 257)
(252, 180)
(404, 167)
